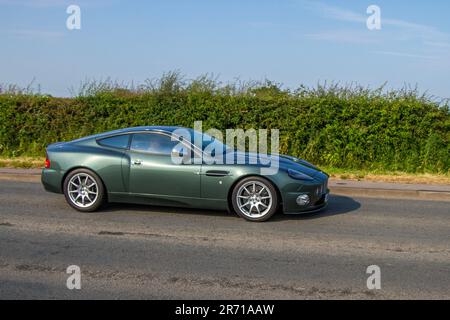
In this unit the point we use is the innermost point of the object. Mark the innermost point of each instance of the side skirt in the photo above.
(170, 201)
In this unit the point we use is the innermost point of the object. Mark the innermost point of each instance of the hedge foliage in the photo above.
(352, 128)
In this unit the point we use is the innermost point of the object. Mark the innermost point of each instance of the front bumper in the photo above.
(321, 204)
(317, 192)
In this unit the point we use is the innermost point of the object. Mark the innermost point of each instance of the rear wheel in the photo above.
(255, 199)
(84, 190)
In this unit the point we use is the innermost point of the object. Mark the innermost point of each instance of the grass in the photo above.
(22, 162)
(388, 176)
(345, 174)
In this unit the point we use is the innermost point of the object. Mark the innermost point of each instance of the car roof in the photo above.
(168, 129)
(152, 128)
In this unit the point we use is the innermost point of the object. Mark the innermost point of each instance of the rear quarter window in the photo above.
(118, 142)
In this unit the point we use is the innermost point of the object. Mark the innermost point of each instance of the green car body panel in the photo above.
(159, 181)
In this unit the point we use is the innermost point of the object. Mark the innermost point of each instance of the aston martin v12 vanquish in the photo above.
(136, 165)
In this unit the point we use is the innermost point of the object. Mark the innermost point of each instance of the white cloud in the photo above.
(335, 12)
(444, 45)
(34, 3)
(405, 55)
(28, 33)
(408, 29)
(347, 36)
(56, 3)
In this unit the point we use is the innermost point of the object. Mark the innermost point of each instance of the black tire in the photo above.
(95, 202)
(249, 213)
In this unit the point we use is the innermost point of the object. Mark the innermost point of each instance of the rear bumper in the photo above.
(51, 180)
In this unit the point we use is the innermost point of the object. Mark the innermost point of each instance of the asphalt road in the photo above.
(128, 251)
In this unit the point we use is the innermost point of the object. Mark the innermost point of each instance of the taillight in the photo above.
(47, 163)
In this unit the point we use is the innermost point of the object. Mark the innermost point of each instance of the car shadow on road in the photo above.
(117, 207)
(337, 205)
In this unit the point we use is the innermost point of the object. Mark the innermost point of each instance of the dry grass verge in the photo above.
(360, 175)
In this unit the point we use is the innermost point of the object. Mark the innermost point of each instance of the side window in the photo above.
(120, 142)
(152, 143)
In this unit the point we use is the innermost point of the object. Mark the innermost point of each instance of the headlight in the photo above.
(298, 175)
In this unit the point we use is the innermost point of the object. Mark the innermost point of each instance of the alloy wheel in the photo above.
(82, 190)
(254, 199)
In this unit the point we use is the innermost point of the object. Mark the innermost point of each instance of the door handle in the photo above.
(137, 162)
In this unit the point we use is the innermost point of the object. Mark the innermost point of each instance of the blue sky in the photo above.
(289, 41)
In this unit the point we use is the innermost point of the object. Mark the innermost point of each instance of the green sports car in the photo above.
(136, 165)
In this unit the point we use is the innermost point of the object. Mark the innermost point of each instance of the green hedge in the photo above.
(354, 129)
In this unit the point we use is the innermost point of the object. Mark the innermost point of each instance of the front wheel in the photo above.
(84, 190)
(255, 199)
